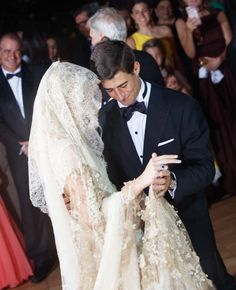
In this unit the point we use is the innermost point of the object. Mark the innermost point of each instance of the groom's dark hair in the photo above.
(111, 56)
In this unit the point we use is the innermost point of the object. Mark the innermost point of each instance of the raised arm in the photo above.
(185, 34)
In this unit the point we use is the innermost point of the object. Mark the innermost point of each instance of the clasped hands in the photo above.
(157, 173)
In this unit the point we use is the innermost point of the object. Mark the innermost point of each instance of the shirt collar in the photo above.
(5, 72)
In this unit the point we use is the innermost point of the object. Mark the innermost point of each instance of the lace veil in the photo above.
(65, 144)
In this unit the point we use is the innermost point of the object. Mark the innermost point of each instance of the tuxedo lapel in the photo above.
(27, 88)
(157, 115)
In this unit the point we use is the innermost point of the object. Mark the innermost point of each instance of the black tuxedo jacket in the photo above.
(149, 69)
(13, 127)
(175, 125)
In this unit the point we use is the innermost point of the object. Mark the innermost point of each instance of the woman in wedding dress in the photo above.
(100, 241)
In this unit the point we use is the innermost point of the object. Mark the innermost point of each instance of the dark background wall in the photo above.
(44, 15)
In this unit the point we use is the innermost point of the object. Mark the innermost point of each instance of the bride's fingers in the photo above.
(166, 161)
(165, 156)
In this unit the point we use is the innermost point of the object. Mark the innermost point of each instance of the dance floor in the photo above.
(223, 216)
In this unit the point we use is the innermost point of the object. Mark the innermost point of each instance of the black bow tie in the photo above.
(127, 112)
(9, 76)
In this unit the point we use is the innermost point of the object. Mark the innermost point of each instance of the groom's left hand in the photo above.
(162, 183)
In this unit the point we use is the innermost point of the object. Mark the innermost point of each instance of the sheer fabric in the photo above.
(99, 241)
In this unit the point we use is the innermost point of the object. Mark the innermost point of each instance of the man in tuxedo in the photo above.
(18, 87)
(144, 118)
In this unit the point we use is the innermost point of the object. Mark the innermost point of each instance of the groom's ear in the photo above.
(136, 68)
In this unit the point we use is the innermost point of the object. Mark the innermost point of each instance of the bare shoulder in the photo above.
(221, 17)
(131, 43)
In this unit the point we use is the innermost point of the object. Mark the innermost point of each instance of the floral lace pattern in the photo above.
(168, 261)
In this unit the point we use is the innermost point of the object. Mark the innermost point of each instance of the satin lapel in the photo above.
(27, 90)
(9, 98)
(121, 132)
(157, 114)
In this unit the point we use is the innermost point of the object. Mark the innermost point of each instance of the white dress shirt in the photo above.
(137, 124)
(16, 86)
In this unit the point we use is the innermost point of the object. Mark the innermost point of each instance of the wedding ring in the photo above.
(164, 167)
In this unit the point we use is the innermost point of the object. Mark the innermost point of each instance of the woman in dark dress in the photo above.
(205, 40)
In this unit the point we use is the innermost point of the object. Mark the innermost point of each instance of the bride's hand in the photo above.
(156, 172)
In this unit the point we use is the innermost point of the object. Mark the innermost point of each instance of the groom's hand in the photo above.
(162, 182)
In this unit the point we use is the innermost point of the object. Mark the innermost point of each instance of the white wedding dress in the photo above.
(100, 240)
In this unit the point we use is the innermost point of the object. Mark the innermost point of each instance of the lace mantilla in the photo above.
(168, 260)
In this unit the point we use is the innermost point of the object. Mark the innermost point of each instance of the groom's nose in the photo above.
(119, 94)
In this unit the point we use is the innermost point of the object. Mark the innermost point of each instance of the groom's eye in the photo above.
(123, 85)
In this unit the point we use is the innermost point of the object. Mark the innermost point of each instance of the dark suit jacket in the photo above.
(80, 50)
(170, 115)
(13, 127)
(149, 71)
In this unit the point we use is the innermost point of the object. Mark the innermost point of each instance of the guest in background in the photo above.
(157, 50)
(164, 13)
(205, 38)
(146, 29)
(19, 84)
(14, 265)
(11, 198)
(108, 23)
(122, 7)
(53, 48)
(175, 81)
(81, 45)
(173, 78)
(35, 50)
(230, 9)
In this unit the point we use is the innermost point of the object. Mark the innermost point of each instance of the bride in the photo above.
(101, 241)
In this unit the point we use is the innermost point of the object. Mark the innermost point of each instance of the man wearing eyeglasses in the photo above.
(81, 46)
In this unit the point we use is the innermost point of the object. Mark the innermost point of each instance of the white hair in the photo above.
(110, 23)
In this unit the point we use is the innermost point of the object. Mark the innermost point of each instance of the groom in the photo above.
(144, 118)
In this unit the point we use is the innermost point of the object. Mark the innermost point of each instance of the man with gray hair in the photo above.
(108, 23)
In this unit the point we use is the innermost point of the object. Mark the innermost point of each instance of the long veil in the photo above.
(65, 155)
